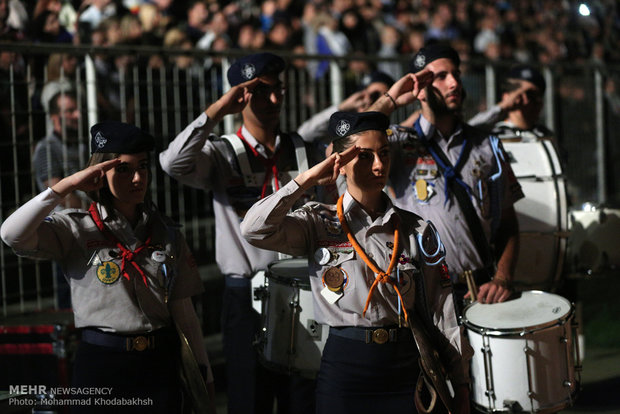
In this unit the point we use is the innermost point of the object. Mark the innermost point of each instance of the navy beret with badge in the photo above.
(528, 73)
(254, 66)
(342, 124)
(119, 138)
(430, 53)
(377, 77)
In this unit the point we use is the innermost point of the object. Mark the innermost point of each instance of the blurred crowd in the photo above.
(531, 31)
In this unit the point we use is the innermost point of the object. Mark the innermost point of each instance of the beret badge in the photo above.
(420, 61)
(248, 71)
(342, 128)
(100, 140)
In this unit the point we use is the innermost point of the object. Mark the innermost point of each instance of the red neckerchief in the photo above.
(127, 255)
(269, 163)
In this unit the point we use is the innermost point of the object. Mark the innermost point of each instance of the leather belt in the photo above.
(373, 335)
(150, 341)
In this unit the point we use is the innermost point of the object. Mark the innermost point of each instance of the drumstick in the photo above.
(471, 285)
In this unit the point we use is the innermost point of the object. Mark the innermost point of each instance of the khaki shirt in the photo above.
(316, 225)
(418, 186)
(101, 296)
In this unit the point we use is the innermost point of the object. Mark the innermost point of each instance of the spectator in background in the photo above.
(61, 73)
(197, 20)
(441, 27)
(96, 12)
(60, 153)
(390, 44)
(47, 29)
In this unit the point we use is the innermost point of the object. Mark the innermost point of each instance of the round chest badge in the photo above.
(108, 272)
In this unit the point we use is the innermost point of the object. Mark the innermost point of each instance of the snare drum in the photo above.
(524, 354)
(542, 214)
(291, 340)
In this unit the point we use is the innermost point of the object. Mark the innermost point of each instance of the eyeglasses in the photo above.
(263, 89)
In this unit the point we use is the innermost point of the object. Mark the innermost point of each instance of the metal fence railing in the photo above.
(162, 90)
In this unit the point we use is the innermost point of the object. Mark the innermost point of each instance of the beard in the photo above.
(438, 104)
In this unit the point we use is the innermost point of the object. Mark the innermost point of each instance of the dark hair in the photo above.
(342, 144)
(103, 196)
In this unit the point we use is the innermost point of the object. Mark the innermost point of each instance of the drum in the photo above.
(291, 340)
(524, 353)
(594, 242)
(542, 214)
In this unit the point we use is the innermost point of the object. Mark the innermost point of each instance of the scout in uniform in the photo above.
(454, 175)
(130, 271)
(241, 169)
(375, 270)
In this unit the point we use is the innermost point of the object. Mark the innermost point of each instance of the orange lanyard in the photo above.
(382, 277)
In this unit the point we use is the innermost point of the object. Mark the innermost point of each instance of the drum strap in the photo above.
(461, 193)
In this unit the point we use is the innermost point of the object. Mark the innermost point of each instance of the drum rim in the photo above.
(491, 331)
(288, 281)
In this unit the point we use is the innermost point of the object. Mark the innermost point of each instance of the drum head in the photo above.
(290, 271)
(532, 311)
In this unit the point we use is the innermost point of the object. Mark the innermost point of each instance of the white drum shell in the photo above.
(542, 214)
(292, 341)
(534, 368)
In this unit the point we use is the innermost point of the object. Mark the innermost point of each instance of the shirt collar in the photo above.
(350, 205)
(260, 148)
(430, 130)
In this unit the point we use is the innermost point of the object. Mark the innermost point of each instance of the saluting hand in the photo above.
(233, 101)
(327, 171)
(403, 92)
(89, 179)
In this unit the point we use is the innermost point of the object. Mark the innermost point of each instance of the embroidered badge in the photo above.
(100, 140)
(248, 71)
(108, 272)
(342, 128)
(420, 61)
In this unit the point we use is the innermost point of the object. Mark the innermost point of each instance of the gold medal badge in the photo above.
(108, 272)
(333, 279)
(421, 190)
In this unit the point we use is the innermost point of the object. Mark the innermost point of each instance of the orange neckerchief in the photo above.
(269, 163)
(382, 277)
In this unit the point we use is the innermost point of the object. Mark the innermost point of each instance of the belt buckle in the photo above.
(380, 336)
(139, 343)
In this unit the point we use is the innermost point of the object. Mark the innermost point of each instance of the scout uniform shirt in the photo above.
(200, 159)
(102, 296)
(418, 186)
(314, 230)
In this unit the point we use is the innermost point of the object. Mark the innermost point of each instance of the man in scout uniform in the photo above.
(241, 169)
(517, 115)
(455, 175)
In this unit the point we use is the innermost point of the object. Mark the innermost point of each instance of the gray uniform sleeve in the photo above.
(267, 225)
(487, 119)
(316, 126)
(25, 230)
(190, 157)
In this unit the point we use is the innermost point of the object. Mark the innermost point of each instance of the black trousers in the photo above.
(357, 378)
(149, 379)
(252, 388)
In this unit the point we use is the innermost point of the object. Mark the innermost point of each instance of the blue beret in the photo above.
(528, 73)
(253, 66)
(377, 76)
(343, 124)
(430, 53)
(119, 138)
